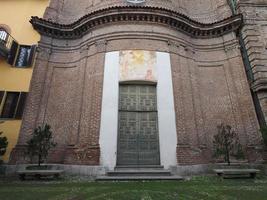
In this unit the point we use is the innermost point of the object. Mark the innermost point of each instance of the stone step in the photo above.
(139, 172)
(139, 178)
(139, 167)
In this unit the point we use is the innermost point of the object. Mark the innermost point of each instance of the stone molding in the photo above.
(132, 14)
(255, 39)
(252, 3)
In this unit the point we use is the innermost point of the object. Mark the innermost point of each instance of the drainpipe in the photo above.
(249, 72)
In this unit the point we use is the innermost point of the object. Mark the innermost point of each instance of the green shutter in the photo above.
(1, 96)
(31, 57)
(10, 105)
(12, 53)
(25, 56)
(21, 105)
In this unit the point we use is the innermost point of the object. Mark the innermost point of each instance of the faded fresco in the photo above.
(138, 65)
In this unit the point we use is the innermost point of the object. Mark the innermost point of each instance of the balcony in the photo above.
(7, 42)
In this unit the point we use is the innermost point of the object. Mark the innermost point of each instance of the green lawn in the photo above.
(198, 188)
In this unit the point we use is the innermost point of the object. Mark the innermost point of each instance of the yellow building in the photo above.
(17, 48)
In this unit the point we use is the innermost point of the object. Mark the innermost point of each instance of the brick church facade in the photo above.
(146, 82)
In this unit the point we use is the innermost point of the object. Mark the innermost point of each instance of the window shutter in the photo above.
(1, 96)
(10, 105)
(3, 36)
(31, 57)
(22, 57)
(12, 53)
(21, 105)
(25, 56)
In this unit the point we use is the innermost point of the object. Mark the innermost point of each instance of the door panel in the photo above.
(128, 138)
(148, 138)
(129, 99)
(147, 98)
(138, 141)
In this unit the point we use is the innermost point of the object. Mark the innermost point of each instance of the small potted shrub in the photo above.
(226, 144)
(263, 131)
(3, 147)
(39, 145)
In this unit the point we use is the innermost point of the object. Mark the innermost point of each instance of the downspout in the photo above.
(248, 68)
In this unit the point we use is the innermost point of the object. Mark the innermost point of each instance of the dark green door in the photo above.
(138, 141)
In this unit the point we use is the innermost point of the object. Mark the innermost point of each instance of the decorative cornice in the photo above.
(252, 3)
(129, 14)
(259, 85)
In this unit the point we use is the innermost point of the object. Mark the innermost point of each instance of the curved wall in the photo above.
(209, 87)
(208, 78)
(205, 11)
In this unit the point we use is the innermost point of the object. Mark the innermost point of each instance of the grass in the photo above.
(206, 188)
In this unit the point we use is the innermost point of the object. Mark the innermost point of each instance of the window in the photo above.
(25, 56)
(4, 41)
(12, 104)
(21, 55)
(3, 35)
(16, 55)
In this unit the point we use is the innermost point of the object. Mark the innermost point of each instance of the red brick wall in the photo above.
(209, 85)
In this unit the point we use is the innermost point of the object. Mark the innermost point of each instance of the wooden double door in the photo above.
(138, 138)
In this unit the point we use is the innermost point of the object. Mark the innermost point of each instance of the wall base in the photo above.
(180, 170)
(204, 169)
(77, 170)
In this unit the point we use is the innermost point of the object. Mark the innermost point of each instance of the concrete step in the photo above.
(139, 172)
(139, 167)
(139, 178)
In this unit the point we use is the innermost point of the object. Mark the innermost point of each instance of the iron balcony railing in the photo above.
(6, 43)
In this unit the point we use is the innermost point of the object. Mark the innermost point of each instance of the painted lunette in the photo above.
(157, 15)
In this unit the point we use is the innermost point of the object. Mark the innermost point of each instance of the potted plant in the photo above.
(226, 144)
(3, 147)
(38, 147)
(263, 131)
(39, 144)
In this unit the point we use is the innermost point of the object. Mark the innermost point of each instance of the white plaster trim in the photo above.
(109, 113)
(166, 112)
